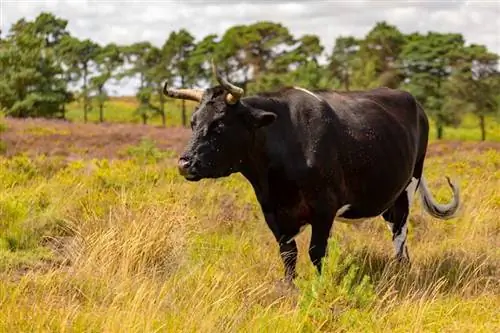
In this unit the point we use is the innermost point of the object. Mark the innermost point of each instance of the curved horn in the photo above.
(191, 94)
(235, 92)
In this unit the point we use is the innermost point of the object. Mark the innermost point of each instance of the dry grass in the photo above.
(134, 248)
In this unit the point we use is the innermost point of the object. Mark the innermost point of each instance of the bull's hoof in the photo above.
(286, 287)
(403, 261)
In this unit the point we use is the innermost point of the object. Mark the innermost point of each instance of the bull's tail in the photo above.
(431, 206)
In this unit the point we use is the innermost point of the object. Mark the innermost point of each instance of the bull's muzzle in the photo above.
(187, 169)
(183, 166)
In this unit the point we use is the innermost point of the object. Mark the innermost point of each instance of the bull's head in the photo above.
(223, 127)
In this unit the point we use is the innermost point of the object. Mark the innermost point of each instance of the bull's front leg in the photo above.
(321, 225)
(280, 227)
(287, 245)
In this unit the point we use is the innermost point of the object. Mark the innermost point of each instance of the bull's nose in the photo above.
(184, 165)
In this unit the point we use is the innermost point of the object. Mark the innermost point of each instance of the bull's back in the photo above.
(379, 143)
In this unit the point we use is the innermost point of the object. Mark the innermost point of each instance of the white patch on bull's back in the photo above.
(308, 92)
(410, 190)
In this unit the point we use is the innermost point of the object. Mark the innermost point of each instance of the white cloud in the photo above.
(128, 21)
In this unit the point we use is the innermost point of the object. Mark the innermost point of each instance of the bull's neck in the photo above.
(265, 153)
(259, 156)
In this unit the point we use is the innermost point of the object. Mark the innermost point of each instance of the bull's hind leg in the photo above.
(397, 220)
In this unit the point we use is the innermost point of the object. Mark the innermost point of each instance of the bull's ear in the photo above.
(261, 118)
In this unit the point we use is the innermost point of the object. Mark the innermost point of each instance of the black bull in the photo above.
(315, 157)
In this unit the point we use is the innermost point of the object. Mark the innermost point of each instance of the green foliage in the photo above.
(296, 66)
(342, 59)
(107, 59)
(177, 51)
(39, 59)
(32, 82)
(428, 62)
(199, 64)
(249, 50)
(353, 290)
(143, 109)
(381, 48)
(148, 152)
(80, 57)
(476, 82)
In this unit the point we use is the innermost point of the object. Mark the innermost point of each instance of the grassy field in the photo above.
(99, 233)
(122, 110)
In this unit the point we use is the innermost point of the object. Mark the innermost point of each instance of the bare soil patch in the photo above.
(444, 147)
(76, 140)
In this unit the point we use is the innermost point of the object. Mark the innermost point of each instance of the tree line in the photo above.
(41, 61)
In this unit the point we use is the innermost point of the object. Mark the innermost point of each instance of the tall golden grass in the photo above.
(137, 249)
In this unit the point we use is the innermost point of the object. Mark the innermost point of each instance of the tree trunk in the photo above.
(144, 119)
(162, 110)
(482, 125)
(85, 99)
(184, 113)
(183, 83)
(101, 104)
(163, 119)
(439, 131)
(101, 112)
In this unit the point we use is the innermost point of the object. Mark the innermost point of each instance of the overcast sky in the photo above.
(128, 21)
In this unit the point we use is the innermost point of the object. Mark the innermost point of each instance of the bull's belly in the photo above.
(355, 218)
(365, 208)
(354, 221)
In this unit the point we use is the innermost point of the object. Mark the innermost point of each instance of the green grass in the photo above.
(123, 110)
(129, 246)
(469, 129)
